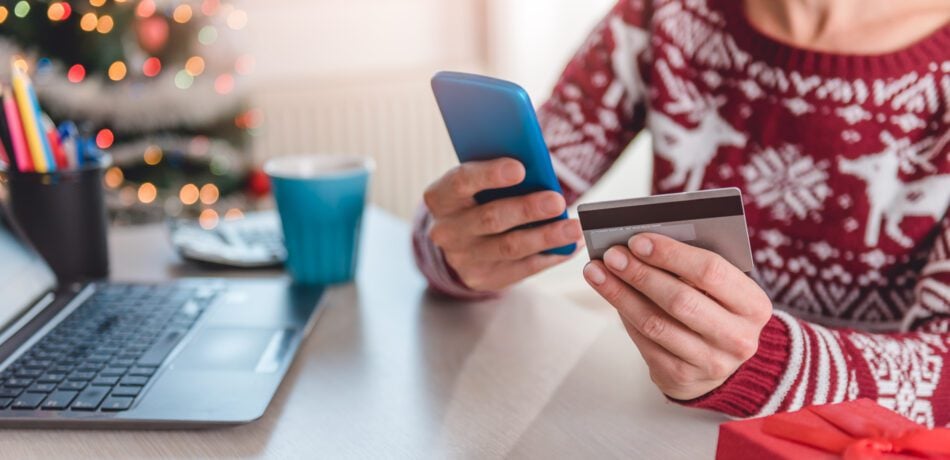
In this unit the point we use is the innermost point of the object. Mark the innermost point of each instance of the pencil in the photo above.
(41, 152)
(52, 136)
(20, 150)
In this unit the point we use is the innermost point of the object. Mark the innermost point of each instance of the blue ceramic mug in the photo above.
(321, 199)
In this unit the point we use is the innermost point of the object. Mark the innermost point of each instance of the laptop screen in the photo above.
(24, 276)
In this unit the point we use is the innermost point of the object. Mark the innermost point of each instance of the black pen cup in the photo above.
(63, 214)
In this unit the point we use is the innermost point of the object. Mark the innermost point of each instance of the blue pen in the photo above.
(69, 134)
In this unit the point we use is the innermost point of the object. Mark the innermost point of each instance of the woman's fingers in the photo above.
(681, 301)
(650, 320)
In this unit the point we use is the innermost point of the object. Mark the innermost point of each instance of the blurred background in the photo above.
(191, 97)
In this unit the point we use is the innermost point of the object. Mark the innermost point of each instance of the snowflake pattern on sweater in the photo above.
(844, 162)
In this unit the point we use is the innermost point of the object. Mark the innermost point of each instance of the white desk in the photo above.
(391, 372)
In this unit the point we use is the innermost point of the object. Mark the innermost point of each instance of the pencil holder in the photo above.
(63, 214)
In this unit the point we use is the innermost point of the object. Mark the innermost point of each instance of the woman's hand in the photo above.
(694, 316)
(483, 243)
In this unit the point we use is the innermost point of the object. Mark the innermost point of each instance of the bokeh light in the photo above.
(4, 13)
(147, 193)
(183, 80)
(209, 194)
(76, 73)
(208, 219)
(105, 24)
(153, 155)
(89, 22)
(21, 9)
(145, 9)
(182, 13)
(152, 67)
(208, 35)
(188, 194)
(21, 64)
(105, 138)
(224, 84)
(244, 64)
(195, 66)
(237, 19)
(58, 11)
(114, 177)
(97, 3)
(210, 7)
(117, 71)
(233, 214)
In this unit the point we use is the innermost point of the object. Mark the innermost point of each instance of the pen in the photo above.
(43, 160)
(20, 150)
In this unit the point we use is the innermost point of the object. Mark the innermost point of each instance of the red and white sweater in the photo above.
(844, 161)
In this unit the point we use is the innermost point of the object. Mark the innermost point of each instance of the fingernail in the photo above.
(570, 231)
(615, 259)
(551, 205)
(511, 171)
(642, 246)
(594, 274)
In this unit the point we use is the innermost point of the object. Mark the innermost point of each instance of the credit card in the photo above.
(709, 219)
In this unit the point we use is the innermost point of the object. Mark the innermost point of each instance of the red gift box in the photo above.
(853, 430)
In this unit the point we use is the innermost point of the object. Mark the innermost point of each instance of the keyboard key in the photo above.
(117, 403)
(90, 398)
(143, 370)
(123, 362)
(28, 401)
(17, 382)
(10, 392)
(51, 378)
(41, 388)
(126, 390)
(114, 371)
(72, 385)
(105, 380)
(133, 380)
(59, 400)
(4, 402)
(29, 373)
(82, 375)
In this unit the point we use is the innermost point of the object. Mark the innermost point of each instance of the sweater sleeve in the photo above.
(594, 112)
(800, 363)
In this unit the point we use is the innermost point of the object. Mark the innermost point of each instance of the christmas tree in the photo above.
(156, 83)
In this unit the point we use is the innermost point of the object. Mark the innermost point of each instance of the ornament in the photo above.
(152, 33)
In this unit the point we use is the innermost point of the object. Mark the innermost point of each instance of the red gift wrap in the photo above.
(855, 430)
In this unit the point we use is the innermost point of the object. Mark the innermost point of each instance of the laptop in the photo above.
(184, 354)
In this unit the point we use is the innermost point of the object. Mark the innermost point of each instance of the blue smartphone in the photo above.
(489, 118)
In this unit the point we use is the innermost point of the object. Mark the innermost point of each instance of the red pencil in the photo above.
(54, 142)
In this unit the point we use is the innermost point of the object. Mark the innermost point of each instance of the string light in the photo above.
(182, 13)
(208, 35)
(188, 194)
(114, 177)
(183, 80)
(21, 9)
(195, 65)
(4, 13)
(237, 19)
(105, 24)
(58, 11)
(97, 3)
(147, 193)
(209, 194)
(146, 8)
(152, 67)
(153, 155)
(210, 7)
(76, 73)
(208, 219)
(89, 22)
(224, 84)
(117, 71)
(105, 138)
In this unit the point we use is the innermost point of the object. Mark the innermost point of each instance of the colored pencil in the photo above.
(26, 99)
(20, 149)
(55, 145)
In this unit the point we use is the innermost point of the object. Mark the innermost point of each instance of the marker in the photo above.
(29, 106)
(20, 150)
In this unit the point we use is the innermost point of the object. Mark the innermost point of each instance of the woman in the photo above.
(832, 117)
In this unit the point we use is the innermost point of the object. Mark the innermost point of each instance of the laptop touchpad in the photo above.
(232, 349)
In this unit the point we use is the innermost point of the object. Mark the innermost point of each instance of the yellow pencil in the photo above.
(28, 116)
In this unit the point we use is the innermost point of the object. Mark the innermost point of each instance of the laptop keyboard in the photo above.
(103, 354)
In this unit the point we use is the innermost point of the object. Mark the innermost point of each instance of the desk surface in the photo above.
(392, 372)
